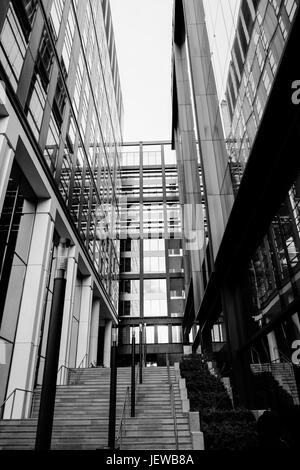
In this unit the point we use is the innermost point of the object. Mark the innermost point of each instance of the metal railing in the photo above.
(85, 357)
(172, 396)
(62, 367)
(125, 410)
(137, 370)
(13, 396)
(253, 350)
(281, 357)
(122, 426)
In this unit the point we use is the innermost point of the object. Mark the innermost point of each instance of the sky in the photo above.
(143, 34)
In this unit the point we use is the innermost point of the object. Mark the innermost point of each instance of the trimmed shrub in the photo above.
(223, 427)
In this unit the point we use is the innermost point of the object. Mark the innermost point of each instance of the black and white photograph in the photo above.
(149, 230)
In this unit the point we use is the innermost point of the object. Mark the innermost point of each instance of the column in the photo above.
(85, 322)
(94, 330)
(107, 343)
(25, 353)
(6, 161)
(65, 343)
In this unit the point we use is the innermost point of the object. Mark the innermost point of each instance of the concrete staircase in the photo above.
(80, 417)
(82, 412)
(283, 373)
(153, 426)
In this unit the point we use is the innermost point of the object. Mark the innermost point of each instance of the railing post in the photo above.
(133, 376)
(145, 345)
(113, 391)
(141, 352)
(13, 404)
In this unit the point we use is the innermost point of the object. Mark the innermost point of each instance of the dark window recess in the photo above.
(247, 17)
(229, 104)
(208, 260)
(45, 59)
(230, 86)
(238, 55)
(255, 4)
(59, 101)
(243, 39)
(25, 11)
(18, 189)
(204, 274)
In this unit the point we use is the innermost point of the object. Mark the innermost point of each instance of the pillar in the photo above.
(65, 343)
(94, 330)
(107, 343)
(25, 353)
(85, 322)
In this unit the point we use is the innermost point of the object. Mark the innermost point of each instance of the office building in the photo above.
(249, 262)
(61, 133)
(152, 288)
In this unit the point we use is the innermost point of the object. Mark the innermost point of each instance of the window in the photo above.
(45, 59)
(78, 83)
(35, 104)
(267, 81)
(86, 29)
(272, 62)
(150, 335)
(154, 245)
(275, 4)
(85, 108)
(217, 333)
(177, 290)
(163, 334)
(154, 264)
(155, 297)
(136, 331)
(52, 145)
(71, 134)
(59, 100)
(25, 11)
(70, 29)
(56, 15)
(65, 175)
(291, 7)
(176, 334)
(129, 298)
(30, 8)
(259, 108)
(12, 48)
(151, 158)
(283, 28)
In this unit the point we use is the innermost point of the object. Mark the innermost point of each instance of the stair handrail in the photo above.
(171, 388)
(13, 393)
(82, 360)
(281, 355)
(137, 371)
(63, 367)
(257, 355)
(122, 424)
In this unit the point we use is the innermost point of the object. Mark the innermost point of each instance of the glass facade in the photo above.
(78, 108)
(262, 29)
(151, 246)
(273, 269)
(60, 150)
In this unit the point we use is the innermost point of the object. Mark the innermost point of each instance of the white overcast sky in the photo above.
(143, 33)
